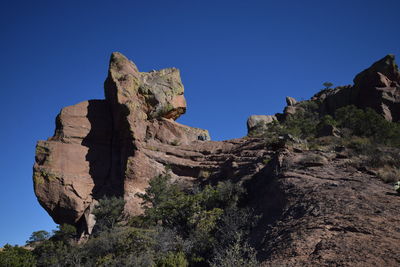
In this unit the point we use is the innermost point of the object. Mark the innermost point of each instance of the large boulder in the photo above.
(259, 121)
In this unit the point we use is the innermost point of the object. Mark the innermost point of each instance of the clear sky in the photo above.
(237, 58)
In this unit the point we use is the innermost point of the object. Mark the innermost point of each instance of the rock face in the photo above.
(115, 146)
(290, 101)
(325, 214)
(377, 87)
(259, 121)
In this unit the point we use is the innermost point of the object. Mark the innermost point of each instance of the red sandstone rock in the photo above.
(377, 87)
(115, 146)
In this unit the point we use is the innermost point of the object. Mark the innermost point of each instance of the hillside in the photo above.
(317, 176)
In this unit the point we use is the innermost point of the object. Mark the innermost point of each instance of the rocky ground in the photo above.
(324, 213)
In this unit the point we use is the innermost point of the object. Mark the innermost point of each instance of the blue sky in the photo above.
(237, 58)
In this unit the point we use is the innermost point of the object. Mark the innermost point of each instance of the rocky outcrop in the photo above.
(259, 121)
(290, 101)
(323, 214)
(115, 146)
(377, 87)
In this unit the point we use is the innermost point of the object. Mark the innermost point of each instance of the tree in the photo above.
(51, 253)
(327, 84)
(108, 212)
(65, 233)
(38, 236)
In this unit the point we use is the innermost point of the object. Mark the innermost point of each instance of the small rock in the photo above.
(290, 101)
(259, 121)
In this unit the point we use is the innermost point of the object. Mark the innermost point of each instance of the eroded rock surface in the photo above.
(115, 146)
(324, 213)
(259, 121)
(377, 87)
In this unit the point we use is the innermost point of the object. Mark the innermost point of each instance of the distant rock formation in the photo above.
(377, 87)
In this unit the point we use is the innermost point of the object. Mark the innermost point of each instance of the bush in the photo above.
(65, 233)
(179, 227)
(172, 259)
(199, 216)
(239, 253)
(51, 253)
(108, 212)
(17, 256)
(368, 124)
(310, 160)
(303, 123)
(38, 236)
(389, 174)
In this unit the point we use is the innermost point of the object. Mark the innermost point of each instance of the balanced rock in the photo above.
(290, 101)
(113, 147)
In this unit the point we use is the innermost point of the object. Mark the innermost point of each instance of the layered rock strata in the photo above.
(115, 146)
(318, 210)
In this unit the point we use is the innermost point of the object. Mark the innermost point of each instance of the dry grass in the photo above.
(389, 174)
(312, 160)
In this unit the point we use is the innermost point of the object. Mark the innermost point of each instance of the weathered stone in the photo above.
(328, 130)
(115, 146)
(377, 87)
(289, 110)
(259, 121)
(290, 101)
(325, 215)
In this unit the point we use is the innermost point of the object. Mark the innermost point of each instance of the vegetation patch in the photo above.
(202, 226)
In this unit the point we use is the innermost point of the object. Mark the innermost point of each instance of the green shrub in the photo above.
(172, 259)
(238, 253)
(15, 256)
(198, 215)
(38, 236)
(179, 227)
(65, 233)
(108, 212)
(368, 123)
(51, 253)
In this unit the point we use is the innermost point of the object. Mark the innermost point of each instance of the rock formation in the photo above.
(377, 87)
(315, 208)
(115, 146)
(259, 121)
